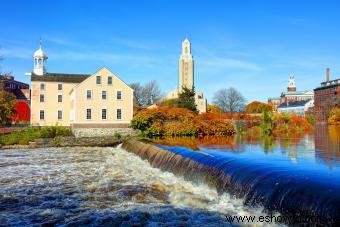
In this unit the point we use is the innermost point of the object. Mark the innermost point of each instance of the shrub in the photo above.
(179, 122)
(25, 136)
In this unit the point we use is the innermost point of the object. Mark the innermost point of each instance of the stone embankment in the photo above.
(105, 141)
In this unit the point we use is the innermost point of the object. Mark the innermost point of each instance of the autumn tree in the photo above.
(7, 102)
(213, 109)
(229, 100)
(148, 93)
(258, 107)
(334, 116)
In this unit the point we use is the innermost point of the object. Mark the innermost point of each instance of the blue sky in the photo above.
(250, 45)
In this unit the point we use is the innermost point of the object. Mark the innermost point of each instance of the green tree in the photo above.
(7, 102)
(186, 99)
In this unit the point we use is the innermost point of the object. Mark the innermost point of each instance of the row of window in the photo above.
(88, 114)
(104, 95)
(88, 96)
(59, 86)
(99, 80)
(104, 114)
(59, 115)
(42, 98)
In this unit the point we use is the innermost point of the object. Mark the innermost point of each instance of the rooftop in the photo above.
(296, 92)
(328, 84)
(60, 77)
(294, 104)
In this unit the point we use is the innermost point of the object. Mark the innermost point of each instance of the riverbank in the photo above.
(108, 141)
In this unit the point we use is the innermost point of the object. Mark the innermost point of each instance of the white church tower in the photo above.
(291, 83)
(186, 67)
(40, 58)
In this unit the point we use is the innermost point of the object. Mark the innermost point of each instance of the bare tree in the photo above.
(229, 100)
(137, 92)
(151, 92)
(147, 94)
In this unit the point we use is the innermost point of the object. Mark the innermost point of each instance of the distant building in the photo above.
(99, 100)
(22, 93)
(296, 107)
(327, 96)
(292, 97)
(275, 102)
(186, 77)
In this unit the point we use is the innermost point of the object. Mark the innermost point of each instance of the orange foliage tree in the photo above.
(258, 107)
(174, 121)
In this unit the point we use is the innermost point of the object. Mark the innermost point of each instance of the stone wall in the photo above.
(99, 132)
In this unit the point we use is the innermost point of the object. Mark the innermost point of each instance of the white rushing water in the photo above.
(104, 186)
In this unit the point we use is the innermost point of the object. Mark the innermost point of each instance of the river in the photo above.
(112, 187)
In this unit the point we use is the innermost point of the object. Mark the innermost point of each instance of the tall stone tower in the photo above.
(291, 84)
(186, 67)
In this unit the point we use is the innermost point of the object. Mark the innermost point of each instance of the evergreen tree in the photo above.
(186, 99)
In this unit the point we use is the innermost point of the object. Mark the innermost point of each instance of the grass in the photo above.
(25, 136)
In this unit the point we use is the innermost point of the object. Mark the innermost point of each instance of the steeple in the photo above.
(186, 67)
(291, 83)
(40, 58)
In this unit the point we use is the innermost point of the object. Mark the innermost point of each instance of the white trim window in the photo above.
(98, 80)
(104, 95)
(119, 114)
(88, 94)
(109, 80)
(104, 114)
(119, 95)
(42, 86)
(88, 114)
(42, 115)
(42, 98)
(60, 115)
(60, 98)
(60, 87)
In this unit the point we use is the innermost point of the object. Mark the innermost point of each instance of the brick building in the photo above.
(292, 97)
(327, 96)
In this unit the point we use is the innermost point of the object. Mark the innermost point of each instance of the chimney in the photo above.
(327, 74)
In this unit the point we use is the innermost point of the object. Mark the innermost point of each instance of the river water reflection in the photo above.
(322, 147)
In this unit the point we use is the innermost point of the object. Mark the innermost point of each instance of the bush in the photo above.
(27, 135)
(179, 122)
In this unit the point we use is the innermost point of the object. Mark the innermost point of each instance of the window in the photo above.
(60, 98)
(42, 98)
(103, 94)
(42, 115)
(104, 114)
(42, 86)
(119, 114)
(60, 87)
(98, 80)
(60, 114)
(119, 95)
(88, 114)
(89, 94)
(109, 80)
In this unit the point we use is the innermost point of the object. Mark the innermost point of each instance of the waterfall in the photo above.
(271, 186)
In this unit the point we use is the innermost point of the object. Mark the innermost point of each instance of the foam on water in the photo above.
(104, 186)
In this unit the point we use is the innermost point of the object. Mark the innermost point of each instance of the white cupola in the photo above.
(40, 58)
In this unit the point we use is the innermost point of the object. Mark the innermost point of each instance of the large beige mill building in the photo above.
(99, 100)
